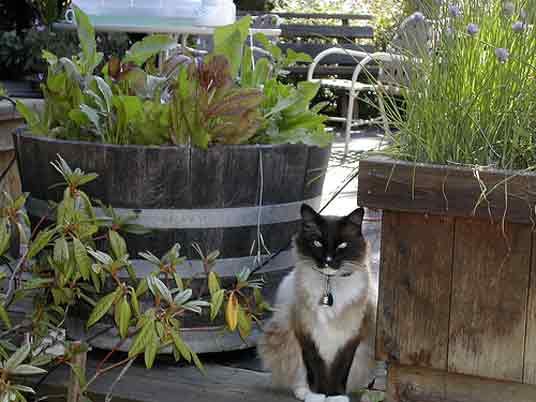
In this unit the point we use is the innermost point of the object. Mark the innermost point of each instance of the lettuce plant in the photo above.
(218, 99)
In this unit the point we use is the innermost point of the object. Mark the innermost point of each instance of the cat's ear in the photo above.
(356, 217)
(308, 213)
(310, 218)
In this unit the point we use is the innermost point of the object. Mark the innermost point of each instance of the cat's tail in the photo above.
(280, 351)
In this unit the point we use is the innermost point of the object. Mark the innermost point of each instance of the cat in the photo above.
(320, 340)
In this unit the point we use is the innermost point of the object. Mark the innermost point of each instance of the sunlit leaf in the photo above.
(149, 46)
(124, 317)
(216, 303)
(231, 312)
(18, 357)
(102, 307)
(181, 346)
(82, 259)
(26, 369)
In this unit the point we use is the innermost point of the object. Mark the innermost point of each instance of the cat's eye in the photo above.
(342, 245)
(316, 243)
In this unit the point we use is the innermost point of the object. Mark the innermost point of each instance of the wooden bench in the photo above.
(315, 38)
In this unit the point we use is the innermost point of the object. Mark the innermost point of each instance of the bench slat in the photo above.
(327, 31)
(320, 16)
(313, 49)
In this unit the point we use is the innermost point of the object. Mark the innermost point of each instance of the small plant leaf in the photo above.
(198, 363)
(216, 302)
(181, 346)
(135, 302)
(149, 46)
(119, 246)
(151, 348)
(213, 282)
(158, 287)
(22, 388)
(124, 317)
(40, 242)
(82, 259)
(182, 297)
(26, 369)
(178, 281)
(142, 339)
(244, 323)
(102, 307)
(18, 357)
(231, 312)
(4, 316)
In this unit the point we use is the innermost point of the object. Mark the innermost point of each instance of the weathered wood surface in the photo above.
(529, 374)
(313, 49)
(312, 16)
(489, 299)
(171, 383)
(411, 384)
(187, 178)
(413, 311)
(456, 191)
(326, 31)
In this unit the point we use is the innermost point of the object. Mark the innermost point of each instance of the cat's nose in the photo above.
(329, 259)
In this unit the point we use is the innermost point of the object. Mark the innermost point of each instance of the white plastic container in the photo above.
(181, 9)
(91, 7)
(216, 13)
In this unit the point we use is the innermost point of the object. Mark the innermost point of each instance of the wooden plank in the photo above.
(11, 181)
(326, 31)
(167, 178)
(317, 165)
(284, 170)
(489, 296)
(343, 72)
(169, 382)
(207, 181)
(416, 384)
(440, 189)
(529, 372)
(309, 16)
(415, 280)
(241, 176)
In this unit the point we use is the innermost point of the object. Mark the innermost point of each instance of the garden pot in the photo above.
(223, 198)
(457, 297)
(10, 120)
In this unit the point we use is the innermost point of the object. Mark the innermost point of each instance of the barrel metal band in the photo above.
(223, 266)
(200, 218)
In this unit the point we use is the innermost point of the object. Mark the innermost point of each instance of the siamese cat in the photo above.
(320, 341)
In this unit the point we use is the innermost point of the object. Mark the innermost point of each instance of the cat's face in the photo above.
(331, 241)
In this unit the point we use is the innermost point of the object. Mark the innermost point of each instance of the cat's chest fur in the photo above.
(330, 327)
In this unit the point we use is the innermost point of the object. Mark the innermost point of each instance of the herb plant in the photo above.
(473, 99)
(223, 98)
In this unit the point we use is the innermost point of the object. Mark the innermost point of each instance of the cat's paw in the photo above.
(314, 397)
(338, 398)
(301, 392)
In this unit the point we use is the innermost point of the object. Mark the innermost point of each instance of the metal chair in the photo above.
(414, 37)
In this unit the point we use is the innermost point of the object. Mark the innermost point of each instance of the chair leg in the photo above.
(349, 121)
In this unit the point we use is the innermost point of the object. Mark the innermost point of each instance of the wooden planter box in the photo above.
(189, 195)
(457, 297)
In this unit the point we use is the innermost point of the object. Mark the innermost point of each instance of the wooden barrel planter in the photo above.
(457, 297)
(10, 120)
(215, 197)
